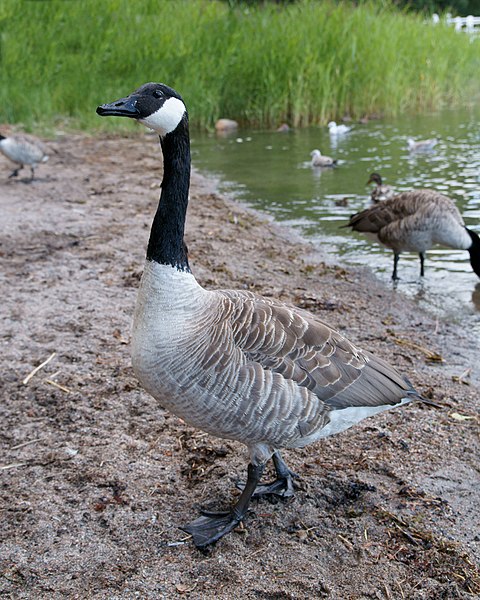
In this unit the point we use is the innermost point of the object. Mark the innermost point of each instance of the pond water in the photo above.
(271, 171)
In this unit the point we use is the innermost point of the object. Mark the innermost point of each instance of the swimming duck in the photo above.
(421, 145)
(318, 160)
(23, 150)
(235, 364)
(380, 192)
(335, 129)
(414, 222)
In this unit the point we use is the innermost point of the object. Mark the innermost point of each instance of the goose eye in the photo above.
(157, 93)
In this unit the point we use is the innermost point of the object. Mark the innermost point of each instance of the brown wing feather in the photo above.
(303, 349)
(419, 202)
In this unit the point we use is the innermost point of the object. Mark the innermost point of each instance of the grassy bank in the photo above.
(304, 64)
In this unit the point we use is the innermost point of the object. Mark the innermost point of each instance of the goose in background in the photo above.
(318, 160)
(381, 191)
(421, 145)
(414, 222)
(23, 150)
(235, 364)
(335, 129)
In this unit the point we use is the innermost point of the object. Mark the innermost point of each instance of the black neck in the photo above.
(474, 251)
(166, 245)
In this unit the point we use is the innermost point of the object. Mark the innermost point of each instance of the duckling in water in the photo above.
(421, 145)
(318, 160)
(335, 129)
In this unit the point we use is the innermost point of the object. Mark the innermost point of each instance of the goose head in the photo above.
(374, 178)
(155, 105)
(315, 153)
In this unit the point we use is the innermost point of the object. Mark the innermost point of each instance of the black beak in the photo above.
(125, 107)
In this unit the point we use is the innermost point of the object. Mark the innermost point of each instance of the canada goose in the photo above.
(414, 222)
(380, 192)
(237, 365)
(23, 150)
(421, 145)
(335, 129)
(318, 160)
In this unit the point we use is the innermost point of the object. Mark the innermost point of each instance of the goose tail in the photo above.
(474, 251)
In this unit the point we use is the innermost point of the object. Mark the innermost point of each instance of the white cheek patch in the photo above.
(166, 118)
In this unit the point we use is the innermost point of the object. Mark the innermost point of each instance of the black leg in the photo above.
(32, 170)
(211, 526)
(422, 263)
(395, 263)
(15, 172)
(283, 485)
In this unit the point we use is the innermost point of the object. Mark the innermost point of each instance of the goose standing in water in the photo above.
(237, 365)
(335, 129)
(381, 191)
(319, 160)
(414, 222)
(23, 150)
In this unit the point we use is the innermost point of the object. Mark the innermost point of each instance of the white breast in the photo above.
(169, 337)
(167, 306)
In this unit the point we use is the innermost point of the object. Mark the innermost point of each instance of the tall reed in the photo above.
(303, 63)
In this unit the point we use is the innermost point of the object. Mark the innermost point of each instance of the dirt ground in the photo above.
(96, 476)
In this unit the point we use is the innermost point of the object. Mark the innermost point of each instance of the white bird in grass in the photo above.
(421, 145)
(335, 129)
(237, 365)
(23, 150)
(318, 160)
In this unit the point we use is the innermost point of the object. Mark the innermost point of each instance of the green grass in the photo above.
(304, 63)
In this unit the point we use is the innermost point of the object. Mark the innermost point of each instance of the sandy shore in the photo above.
(96, 476)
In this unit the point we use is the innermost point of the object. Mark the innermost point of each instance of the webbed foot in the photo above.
(210, 527)
(282, 487)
